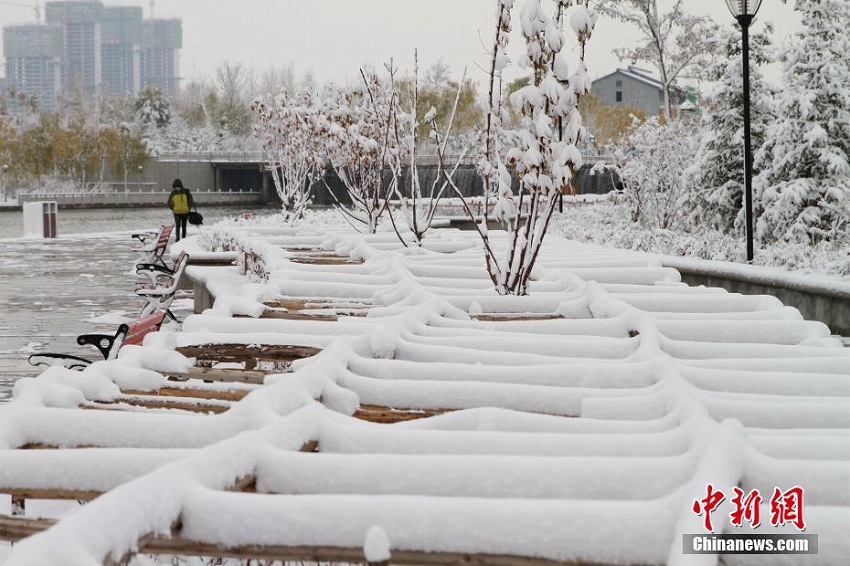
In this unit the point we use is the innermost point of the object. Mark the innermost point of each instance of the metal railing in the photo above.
(259, 157)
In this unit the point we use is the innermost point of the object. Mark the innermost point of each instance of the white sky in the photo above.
(332, 38)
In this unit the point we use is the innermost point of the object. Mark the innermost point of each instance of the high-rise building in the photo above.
(121, 49)
(82, 22)
(34, 63)
(161, 42)
(89, 49)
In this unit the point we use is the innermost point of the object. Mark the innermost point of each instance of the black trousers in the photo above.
(180, 221)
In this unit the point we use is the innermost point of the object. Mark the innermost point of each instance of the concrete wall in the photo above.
(194, 174)
(815, 298)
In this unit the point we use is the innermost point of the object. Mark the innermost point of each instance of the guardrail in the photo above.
(259, 157)
(140, 198)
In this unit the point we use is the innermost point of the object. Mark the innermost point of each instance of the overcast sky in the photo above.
(332, 38)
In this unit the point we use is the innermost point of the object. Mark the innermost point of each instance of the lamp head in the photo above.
(741, 8)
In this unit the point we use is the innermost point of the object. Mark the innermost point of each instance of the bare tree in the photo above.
(675, 43)
(417, 204)
(232, 112)
(543, 155)
(357, 125)
(285, 126)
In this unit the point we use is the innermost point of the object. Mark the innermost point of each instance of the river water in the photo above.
(52, 290)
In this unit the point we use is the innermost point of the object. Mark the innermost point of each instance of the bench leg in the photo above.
(19, 506)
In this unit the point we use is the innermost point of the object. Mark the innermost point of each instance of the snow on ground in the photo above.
(606, 222)
(584, 437)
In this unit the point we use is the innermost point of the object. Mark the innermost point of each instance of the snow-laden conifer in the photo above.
(716, 195)
(804, 187)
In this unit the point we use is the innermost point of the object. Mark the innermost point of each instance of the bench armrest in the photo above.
(63, 360)
(103, 342)
(145, 268)
(144, 236)
(152, 275)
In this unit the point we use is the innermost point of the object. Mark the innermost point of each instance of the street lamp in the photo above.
(745, 11)
(2, 178)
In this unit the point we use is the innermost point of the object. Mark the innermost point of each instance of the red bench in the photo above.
(157, 284)
(157, 247)
(130, 333)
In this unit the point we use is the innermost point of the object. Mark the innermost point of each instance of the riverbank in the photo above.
(103, 220)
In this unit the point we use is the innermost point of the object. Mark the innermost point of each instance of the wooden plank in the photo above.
(324, 259)
(42, 446)
(508, 317)
(387, 415)
(18, 528)
(307, 303)
(176, 545)
(242, 352)
(159, 403)
(318, 317)
(49, 493)
(297, 315)
(223, 375)
(247, 484)
(194, 393)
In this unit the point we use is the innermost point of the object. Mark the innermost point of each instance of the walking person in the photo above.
(180, 202)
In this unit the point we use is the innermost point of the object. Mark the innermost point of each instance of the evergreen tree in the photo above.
(152, 107)
(805, 179)
(718, 174)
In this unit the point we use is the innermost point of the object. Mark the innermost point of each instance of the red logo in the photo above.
(785, 507)
(707, 504)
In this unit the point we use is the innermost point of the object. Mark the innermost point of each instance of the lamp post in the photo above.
(744, 12)
(140, 178)
(3, 178)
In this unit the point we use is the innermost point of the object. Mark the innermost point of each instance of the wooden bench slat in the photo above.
(224, 352)
(387, 415)
(155, 402)
(16, 529)
(233, 395)
(138, 329)
(251, 376)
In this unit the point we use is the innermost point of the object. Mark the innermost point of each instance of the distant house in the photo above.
(633, 87)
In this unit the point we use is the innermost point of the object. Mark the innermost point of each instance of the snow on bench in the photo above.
(108, 345)
(157, 284)
(155, 244)
(641, 393)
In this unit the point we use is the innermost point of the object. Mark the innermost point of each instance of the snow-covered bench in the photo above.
(157, 283)
(158, 242)
(108, 345)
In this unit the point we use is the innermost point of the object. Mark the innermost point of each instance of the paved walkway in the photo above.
(51, 290)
